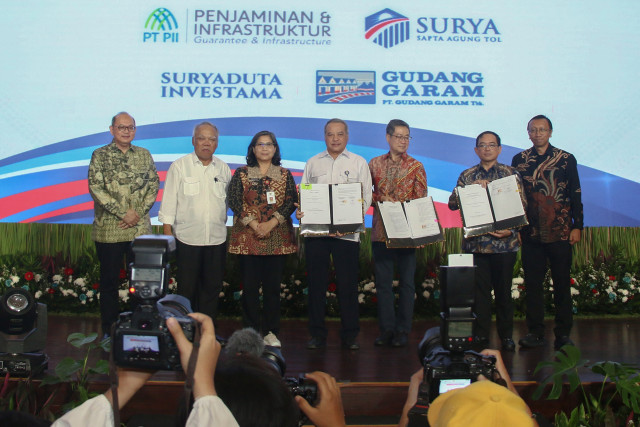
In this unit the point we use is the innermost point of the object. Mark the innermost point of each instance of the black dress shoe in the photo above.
(350, 344)
(384, 339)
(531, 341)
(316, 343)
(562, 341)
(400, 339)
(508, 345)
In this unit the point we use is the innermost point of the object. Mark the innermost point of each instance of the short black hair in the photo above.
(254, 393)
(251, 156)
(538, 117)
(488, 132)
(393, 124)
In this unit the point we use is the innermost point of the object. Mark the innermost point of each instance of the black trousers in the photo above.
(345, 261)
(494, 271)
(200, 274)
(113, 257)
(265, 270)
(535, 256)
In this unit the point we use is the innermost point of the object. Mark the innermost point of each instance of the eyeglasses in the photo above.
(123, 128)
(534, 131)
(265, 144)
(406, 138)
(487, 146)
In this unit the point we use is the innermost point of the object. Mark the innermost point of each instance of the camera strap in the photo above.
(113, 375)
(418, 413)
(191, 367)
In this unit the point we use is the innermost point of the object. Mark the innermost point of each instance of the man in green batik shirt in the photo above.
(123, 182)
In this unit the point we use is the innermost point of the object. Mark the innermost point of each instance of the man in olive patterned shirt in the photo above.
(123, 183)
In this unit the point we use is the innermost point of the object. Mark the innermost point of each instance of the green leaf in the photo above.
(102, 368)
(78, 339)
(67, 367)
(565, 366)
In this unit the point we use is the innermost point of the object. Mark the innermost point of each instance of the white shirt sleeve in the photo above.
(169, 206)
(210, 411)
(96, 412)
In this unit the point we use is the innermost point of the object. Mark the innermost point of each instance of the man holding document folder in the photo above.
(335, 165)
(494, 253)
(397, 177)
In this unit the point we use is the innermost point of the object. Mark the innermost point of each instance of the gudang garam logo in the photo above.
(345, 87)
(453, 88)
(161, 27)
(386, 28)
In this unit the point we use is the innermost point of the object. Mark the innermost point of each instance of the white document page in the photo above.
(474, 201)
(394, 220)
(505, 198)
(347, 204)
(314, 202)
(422, 218)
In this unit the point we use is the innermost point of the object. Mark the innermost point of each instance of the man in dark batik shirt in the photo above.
(552, 187)
(494, 254)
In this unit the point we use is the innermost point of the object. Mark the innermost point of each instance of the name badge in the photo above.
(271, 197)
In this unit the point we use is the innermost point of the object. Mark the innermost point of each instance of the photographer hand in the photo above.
(502, 369)
(412, 396)
(129, 382)
(207, 354)
(329, 411)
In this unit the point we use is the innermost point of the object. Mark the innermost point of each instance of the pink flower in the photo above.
(28, 276)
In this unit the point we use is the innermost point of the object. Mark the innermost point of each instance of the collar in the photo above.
(345, 153)
(195, 159)
(493, 167)
(548, 152)
(114, 146)
(253, 172)
(403, 156)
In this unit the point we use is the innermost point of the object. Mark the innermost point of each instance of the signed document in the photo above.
(497, 207)
(409, 224)
(347, 204)
(314, 202)
(331, 208)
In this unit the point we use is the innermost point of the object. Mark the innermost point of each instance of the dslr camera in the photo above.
(141, 338)
(447, 352)
(299, 386)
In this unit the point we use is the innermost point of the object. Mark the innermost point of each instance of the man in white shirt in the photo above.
(335, 165)
(194, 208)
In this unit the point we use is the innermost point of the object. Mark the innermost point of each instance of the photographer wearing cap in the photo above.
(482, 403)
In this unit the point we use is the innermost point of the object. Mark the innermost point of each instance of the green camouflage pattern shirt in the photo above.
(118, 182)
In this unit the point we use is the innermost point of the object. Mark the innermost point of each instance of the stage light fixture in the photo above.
(23, 333)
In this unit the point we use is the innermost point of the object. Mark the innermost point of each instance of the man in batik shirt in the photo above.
(123, 183)
(552, 186)
(397, 177)
(494, 254)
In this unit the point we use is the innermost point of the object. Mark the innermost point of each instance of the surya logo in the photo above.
(160, 27)
(386, 28)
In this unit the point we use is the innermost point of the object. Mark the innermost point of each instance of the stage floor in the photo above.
(615, 339)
